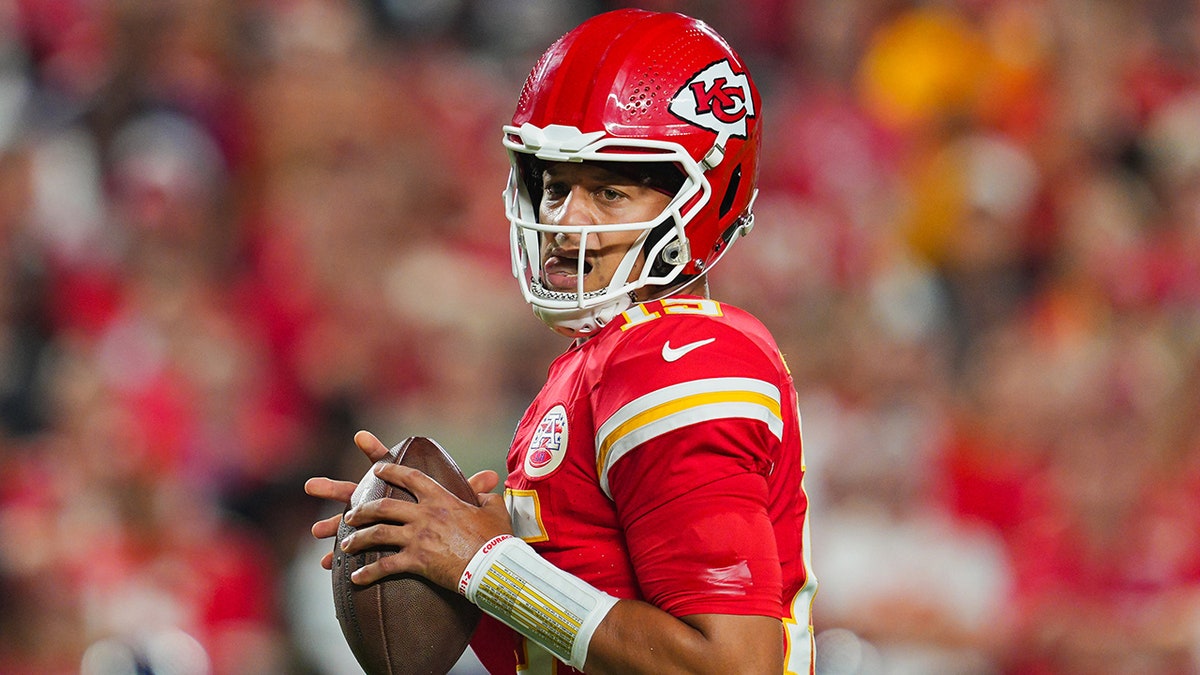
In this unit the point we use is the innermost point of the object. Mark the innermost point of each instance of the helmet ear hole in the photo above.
(531, 176)
(731, 192)
(674, 253)
(662, 263)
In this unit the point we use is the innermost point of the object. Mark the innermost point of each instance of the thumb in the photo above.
(485, 481)
(489, 499)
(371, 446)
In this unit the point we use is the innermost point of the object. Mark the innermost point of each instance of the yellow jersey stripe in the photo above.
(680, 405)
(663, 410)
(680, 390)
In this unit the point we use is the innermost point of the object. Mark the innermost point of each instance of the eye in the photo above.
(553, 190)
(609, 194)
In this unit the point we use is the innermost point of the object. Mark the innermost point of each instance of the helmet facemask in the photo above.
(662, 241)
(632, 86)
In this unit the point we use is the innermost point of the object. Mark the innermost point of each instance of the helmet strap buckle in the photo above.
(713, 157)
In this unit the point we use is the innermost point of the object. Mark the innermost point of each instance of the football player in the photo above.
(653, 517)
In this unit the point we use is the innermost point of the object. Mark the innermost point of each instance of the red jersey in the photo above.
(662, 462)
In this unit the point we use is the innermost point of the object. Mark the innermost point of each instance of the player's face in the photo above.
(586, 194)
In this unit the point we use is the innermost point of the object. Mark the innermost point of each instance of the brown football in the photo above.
(403, 623)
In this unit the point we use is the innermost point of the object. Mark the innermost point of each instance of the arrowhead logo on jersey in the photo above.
(548, 447)
(716, 99)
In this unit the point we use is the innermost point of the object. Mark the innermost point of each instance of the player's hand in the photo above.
(437, 535)
(341, 490)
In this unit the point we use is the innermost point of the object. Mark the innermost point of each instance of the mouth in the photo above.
(560, 271)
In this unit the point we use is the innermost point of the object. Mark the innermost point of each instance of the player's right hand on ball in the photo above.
(341, 490)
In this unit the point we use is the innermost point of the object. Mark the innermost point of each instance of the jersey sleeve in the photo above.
(684, 451)
(709, 549)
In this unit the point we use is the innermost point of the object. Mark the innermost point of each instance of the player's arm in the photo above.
(446, 541)
(571, 619)
(638, 637)
(707, 556)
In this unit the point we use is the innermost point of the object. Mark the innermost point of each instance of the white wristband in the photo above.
(556, 609)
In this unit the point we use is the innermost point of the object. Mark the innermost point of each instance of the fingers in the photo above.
(387, 565)
(340, 491)
(371, 446)
(336, 490)
(375, 536)
(484, 481)
(326, 488)
(381, 510)
(323, 529)
(436, 536)
(415, 481)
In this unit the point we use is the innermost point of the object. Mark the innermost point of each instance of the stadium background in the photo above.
(232, 232)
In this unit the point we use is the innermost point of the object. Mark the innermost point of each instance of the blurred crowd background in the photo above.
(233, 232)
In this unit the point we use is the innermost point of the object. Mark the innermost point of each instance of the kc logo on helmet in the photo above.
(716, 99)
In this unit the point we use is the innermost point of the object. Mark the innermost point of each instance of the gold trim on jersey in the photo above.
(680, 405)
(526, 515)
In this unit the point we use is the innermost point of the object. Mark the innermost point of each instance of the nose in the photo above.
(570, 241)
(574, 209)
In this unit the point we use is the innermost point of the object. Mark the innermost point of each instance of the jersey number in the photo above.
(640, 314)
(525, 511)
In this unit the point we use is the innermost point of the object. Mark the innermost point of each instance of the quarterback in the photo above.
(653, 517)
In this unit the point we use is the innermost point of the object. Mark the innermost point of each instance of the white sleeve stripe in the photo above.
(619, 447)
(712, 385)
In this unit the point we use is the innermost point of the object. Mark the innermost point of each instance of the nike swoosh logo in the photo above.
(675, 353)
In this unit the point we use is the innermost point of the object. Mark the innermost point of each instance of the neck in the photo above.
(697, 286)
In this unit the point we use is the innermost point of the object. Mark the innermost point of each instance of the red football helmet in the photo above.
(640, 87)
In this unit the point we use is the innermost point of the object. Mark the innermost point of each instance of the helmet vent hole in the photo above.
(731, 192)
(642, 96)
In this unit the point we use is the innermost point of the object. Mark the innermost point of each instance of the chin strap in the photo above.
(582, 323)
